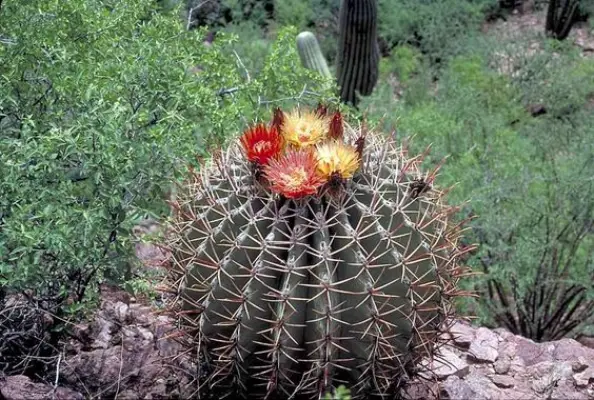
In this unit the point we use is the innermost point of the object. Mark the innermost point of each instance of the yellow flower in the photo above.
(305, 128)
(335, 157)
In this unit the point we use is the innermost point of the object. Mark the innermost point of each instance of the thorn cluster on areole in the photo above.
(299, 152)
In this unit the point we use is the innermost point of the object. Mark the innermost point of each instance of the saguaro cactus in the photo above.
(357, 65)
(560, 17)
(307, 255)
(311, 55)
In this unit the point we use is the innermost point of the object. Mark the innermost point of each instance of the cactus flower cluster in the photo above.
(301, 151)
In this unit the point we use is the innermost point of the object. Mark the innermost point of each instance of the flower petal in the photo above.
(336, 157)
(294, 175)
(302, 129)
(261, 144)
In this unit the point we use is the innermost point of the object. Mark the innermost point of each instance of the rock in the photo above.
(121, 312)
(129, 353)
(503, 381)
(571, 350)
(420, 390)
(484, 346)
(462, 334)
(105, 333)
(502, 366)
(518, 369)
(550, 374)
(507, 362)
(445, 364)
(579, 365)
(140, 314)
(542, 385)
(540, 369)
(146, 334)
(563, 370)
(127, 395)
(20, 387)
(508, 348)
(565, 390)
(583, 379)
(503, 333)
(532, 353)
(81, 332)
(457, 389)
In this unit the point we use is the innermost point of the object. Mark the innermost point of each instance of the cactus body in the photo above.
(560, 17)
(357, 66)
(311, 55)
(290, 297)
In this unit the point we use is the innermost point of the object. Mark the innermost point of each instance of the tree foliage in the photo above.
(102, 104)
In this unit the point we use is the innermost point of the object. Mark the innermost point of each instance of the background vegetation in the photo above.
(104, 103)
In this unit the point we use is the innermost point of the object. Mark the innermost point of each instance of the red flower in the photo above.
(295, 174)
(261, 144)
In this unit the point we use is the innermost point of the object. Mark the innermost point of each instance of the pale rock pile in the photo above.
(482, 364)
(128, 353)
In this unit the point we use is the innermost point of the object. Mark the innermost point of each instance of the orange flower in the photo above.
(261, 144)
(294, 175)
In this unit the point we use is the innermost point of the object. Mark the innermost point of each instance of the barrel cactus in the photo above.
(310, 254)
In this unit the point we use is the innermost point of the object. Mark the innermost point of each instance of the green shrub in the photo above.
(247, 10)
(291, 12)
(563, 85)
(528, 178)
(253, 48)
(317, 16)
(435, 26)
(404, 62)
(217, 14)
(538, 250)
(100, 104)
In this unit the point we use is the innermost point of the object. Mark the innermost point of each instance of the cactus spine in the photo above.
(311, 55)
(357, 66)
(560, 18)
(296, 274)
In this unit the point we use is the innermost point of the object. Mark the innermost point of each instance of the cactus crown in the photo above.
(310, 254)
